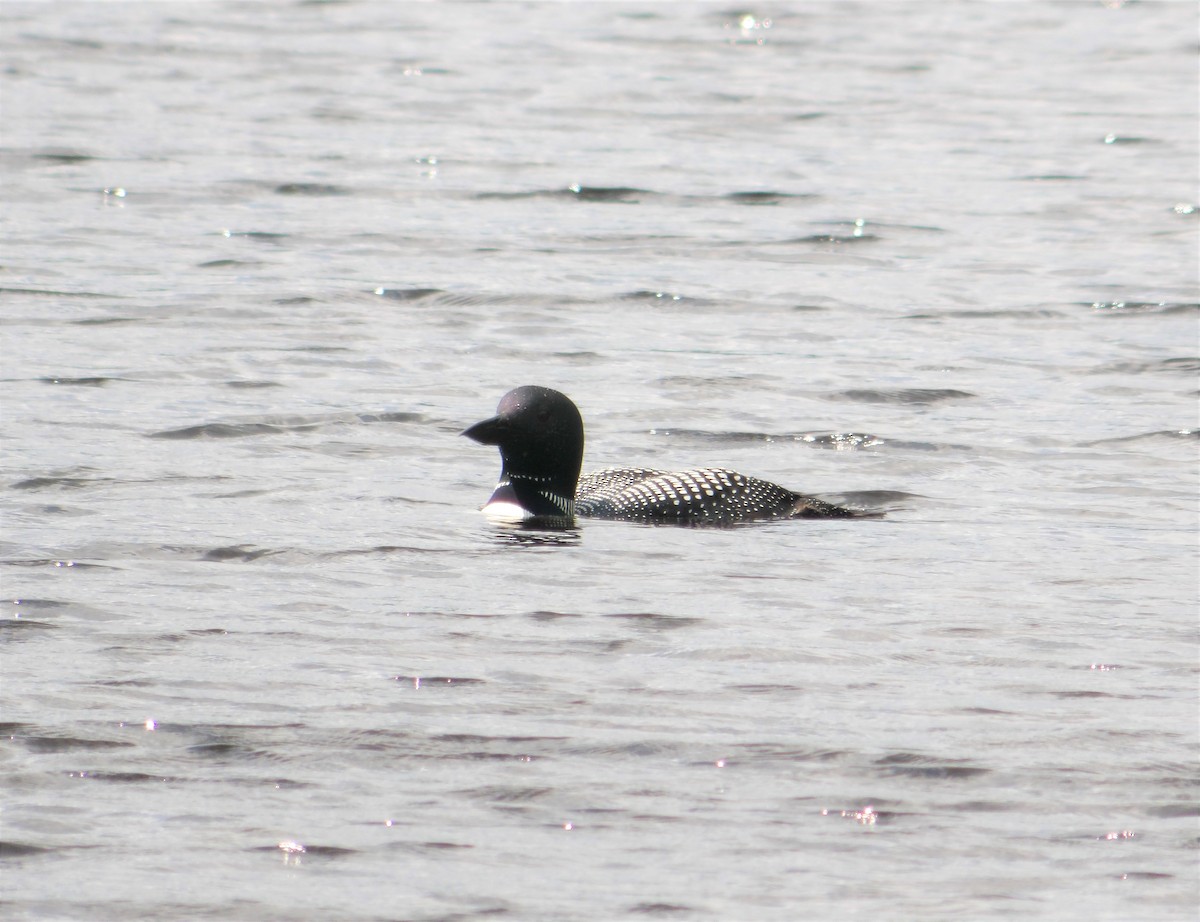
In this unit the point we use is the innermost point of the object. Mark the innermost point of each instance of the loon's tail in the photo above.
(809, 508)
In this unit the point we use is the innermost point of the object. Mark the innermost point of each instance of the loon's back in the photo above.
(540, 436)
(701, 496)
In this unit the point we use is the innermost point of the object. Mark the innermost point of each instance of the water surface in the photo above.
(263, 658)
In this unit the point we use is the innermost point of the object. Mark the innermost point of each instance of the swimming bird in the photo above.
(539, 432)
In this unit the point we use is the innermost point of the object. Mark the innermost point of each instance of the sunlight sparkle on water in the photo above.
(864, 817)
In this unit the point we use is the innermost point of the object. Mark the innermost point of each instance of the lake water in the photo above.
(264, 659)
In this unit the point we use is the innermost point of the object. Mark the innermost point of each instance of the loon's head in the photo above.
(540, 436)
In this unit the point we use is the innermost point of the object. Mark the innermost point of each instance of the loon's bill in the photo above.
(540, 436)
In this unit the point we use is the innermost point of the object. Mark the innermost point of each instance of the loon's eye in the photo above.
(543, 414)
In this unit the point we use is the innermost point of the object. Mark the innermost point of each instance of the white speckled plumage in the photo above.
(699, 495)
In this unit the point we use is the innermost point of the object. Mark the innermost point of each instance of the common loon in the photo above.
(540, 435)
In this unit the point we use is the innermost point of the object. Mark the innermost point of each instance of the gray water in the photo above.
(264, 659)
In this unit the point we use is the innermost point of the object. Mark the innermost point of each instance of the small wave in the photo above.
(1142, 307)
(1186, 365)
(264, 236)
(251, 385)
(227, 431)
(656, 620)
(69, 743)
(132, 777)
(782, 752)
(1180, 810)
(1052, 177)
(578, 192)
(1093, 693)
(15, 628)
(840, 441)
(223, 749)
(607, 193)
(632, 195)
(97, 381)
(1128, 139)
(63, 157)
(834, 238)
(228, 264)
(55, 563)
(652, 296)
(1172, 434)
(384, 549)
(310, 188)
(241, 552)
(768, 689)
(915, 765)
(283, 425)
(507, 793)
(436, 681)
(307, 851)
(408, 294)
(660, 909)
(476, 739)
(68, 483)
(420, 847)
(53, 293)
(443, 298)
(909, 395)
(394, 417)
(985, 314)
(54, 609)
(765, 197)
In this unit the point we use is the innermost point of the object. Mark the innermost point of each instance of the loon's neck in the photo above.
(525, 496)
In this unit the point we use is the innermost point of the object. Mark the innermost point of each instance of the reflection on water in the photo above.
(537, 533)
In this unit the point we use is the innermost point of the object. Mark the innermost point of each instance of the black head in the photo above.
(540, 436)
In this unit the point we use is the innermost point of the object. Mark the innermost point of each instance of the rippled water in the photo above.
(262, 657)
